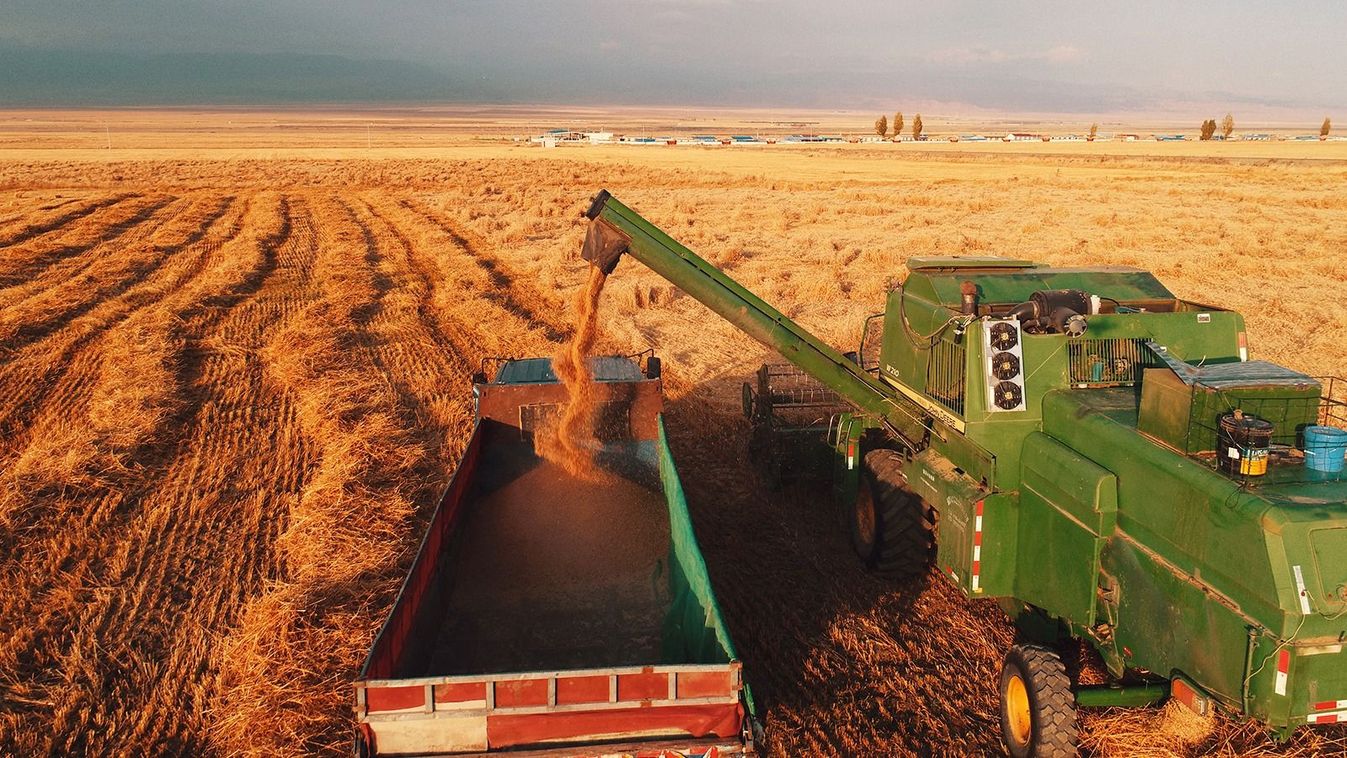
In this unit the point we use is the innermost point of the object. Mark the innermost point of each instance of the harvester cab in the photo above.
(1095, 454)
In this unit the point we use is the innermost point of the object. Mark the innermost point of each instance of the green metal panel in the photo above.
(1068, 506)
(968, 514)
(848, 458)
(694, 629)
(966, 263)
(1015, 286)
(1198, 562)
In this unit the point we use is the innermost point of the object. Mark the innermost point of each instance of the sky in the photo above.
(1039, 57)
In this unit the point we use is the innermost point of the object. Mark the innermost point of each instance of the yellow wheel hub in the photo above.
(1017, 710)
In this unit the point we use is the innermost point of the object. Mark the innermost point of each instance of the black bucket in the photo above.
(1242, 444)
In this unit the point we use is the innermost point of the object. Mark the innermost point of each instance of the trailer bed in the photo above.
(555, 572)
(548, 613)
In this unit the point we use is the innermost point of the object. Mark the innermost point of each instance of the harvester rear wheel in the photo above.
(1038, 708)
(892, 529)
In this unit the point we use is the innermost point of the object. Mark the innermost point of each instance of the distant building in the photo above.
(1128, 137)
(560, 137)
(1021, 137)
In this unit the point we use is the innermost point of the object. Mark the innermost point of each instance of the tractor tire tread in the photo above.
(1058, 733)
(906, 546)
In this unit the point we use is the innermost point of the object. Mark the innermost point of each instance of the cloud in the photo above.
(968, 56)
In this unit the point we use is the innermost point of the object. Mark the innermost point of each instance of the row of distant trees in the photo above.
(1209, 127)
(1227, 127)
(882, 125)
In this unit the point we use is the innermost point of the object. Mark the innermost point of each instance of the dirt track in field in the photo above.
(230, 392)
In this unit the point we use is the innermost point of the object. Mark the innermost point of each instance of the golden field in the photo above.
(234, 376)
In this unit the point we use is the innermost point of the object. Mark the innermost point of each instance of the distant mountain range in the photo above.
(78, 78)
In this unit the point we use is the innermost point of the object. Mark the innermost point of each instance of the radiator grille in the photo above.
(1109, 362)
(945, 375)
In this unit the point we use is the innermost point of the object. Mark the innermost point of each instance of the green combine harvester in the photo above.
(1095, 454)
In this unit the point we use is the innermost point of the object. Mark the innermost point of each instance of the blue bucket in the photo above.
(1325, 448)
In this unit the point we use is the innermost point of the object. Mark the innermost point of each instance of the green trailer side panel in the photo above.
(1068, 505)
(694, 630)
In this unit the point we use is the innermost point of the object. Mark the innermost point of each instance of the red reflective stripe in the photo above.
(977, 537)
(979, 511)
(1329, 719)
(1284, 661)
(1326, 705)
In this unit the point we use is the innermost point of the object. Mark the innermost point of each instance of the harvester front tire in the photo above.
(1038, 708)
(892, 529)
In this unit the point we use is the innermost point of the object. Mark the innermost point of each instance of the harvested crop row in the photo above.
(515, 292)
(352, 361)
(476, 316)
(51, 360)
(52, 217)
(25, 264)
(109, 276)
(140, 389)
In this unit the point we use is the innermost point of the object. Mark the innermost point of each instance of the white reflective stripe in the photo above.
(1244, 353)
(1280, 683)
(977, 552)
(977, 524)
(1300, 590)
(1318, 718)
(976, 583)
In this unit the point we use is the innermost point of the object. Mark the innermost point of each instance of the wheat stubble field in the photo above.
(231, 387)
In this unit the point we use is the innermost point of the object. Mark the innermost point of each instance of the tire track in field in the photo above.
(59, 365)
(414, 344)
(24, 265)
(348, 534)
(220, 505)
(49, 310)
(27, 213)
(506, 287)
(63, 216)
(36, 541)
(190, 542)
(474, 317)
(381, 388)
